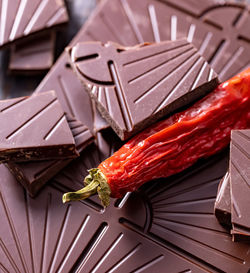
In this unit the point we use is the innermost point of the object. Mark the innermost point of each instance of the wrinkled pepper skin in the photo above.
(176, 143)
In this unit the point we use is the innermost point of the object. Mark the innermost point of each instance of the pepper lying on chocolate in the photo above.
(174, 144)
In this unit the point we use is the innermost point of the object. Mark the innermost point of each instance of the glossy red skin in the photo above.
(174, 144)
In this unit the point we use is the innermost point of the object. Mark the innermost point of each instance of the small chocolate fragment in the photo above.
(34, 55)
(33, 175)
(240, 184)
(222, 206)
(22, 18)
(34, 128)
(133, 87)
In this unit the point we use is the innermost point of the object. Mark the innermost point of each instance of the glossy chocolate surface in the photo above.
(135, 86)
(22, 18)
(33, 128)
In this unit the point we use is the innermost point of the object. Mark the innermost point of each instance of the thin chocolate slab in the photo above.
(173, 219)
(34, 175)
(240, 183)
(34, 128)
(22, 18)
(222, 205)
(34, 55)
(135, 86)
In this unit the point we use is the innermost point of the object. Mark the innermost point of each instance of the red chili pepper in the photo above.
(174, 144)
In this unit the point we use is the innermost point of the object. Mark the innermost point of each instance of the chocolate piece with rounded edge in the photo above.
(240, 183)
(34, 175)
(22, 18)
(135, 86)
(34, 128)
(222, 205)
(32, 55)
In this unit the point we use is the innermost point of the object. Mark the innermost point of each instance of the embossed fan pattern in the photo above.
(19, 18)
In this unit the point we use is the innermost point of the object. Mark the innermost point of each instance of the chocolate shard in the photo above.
(22, 18)
(34, 175)
(35, 128)
(133, 87)
(240, 183)
(34, 55)
(222, 205)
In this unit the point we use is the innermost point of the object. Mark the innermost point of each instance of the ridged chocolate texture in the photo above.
(167, 226)
(34, 175)
(225, 44)
(135, 86)
(240, 183)
(34, 55)
(20, 18)
(71, 95)
(218, 29)
(34, 128)
(222, 205)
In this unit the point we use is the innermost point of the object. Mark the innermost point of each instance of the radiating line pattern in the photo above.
(20, 18)
(182, 210)
(140, 81)
(43, 109)
(240, 183)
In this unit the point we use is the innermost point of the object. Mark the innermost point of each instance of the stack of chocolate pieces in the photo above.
(38, 138)
(135, 62)
(232, 202)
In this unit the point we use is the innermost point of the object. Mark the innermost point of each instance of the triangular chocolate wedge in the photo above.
(135, 86)
(34, 128)
(240, 184)
(33, 175)
(24, 17)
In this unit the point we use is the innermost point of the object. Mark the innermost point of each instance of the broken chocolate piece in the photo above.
(34, 55)
(34, 128)
(34, 175)
(133, 87)
(222, 206)
(240, 183)
(22, 18)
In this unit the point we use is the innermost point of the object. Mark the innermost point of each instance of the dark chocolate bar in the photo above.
(240, 183)
(34, 55)
(135, 86)
(22, 18)
(222, 205)
(35, 128)
(34, 175)
(173, 218)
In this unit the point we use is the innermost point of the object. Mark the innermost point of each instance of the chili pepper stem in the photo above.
(95, 182)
